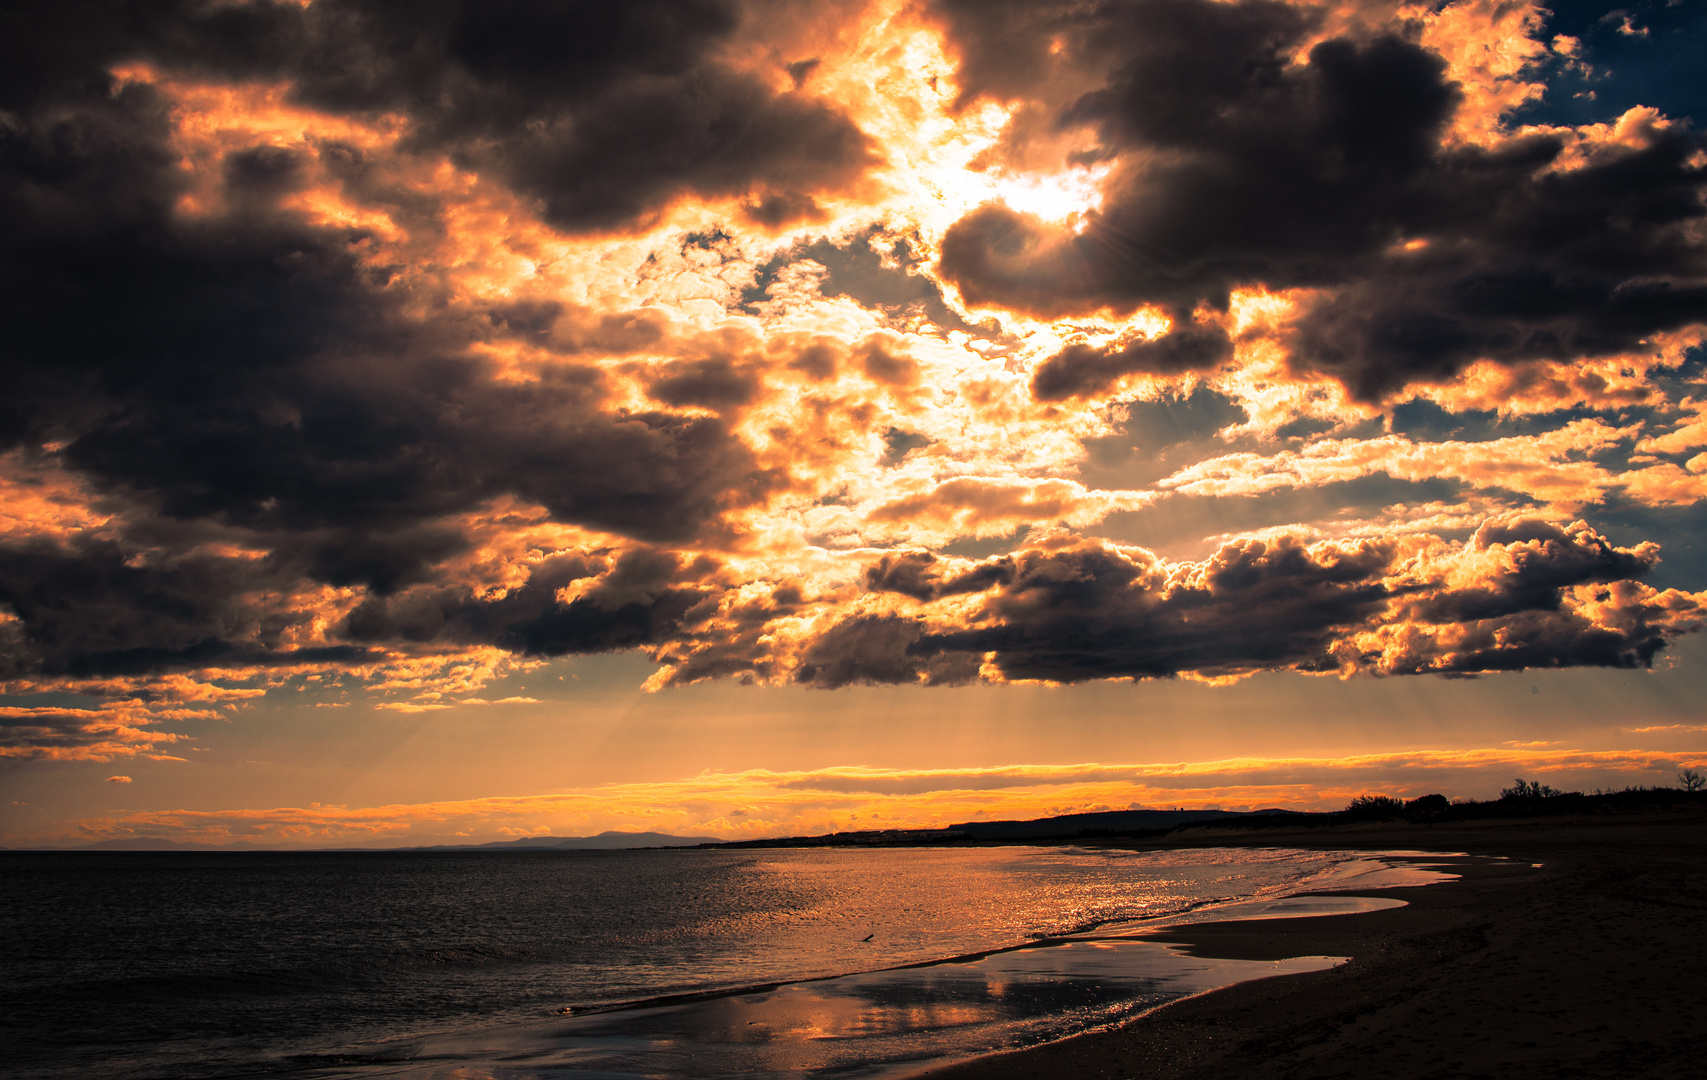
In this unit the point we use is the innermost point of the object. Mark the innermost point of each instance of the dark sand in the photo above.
(1594, 965)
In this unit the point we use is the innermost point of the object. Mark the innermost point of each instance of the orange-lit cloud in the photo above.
(832, 349)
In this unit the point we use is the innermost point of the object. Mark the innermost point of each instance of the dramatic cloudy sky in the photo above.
(432, 419)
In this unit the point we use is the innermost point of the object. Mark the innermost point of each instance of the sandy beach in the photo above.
(1590, 966)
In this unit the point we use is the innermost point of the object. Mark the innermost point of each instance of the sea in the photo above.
(595, 965)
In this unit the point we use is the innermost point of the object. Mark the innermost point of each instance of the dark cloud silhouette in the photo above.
(49, 732)
(1093, 613)
(293, 439)
(1081, 369)
(250, 372)
(191, 357)
(899, 444)
(1539, 640)
(88, 608)
(715, 383)
(603, 112)
(639, 599)
(1261, 604)
(876, 649)
(1234, 167)
(1539, 266)
(918, 574)
(1545, 559)
(709, 132)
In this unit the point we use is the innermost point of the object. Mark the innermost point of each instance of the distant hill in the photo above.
(1112, 821)
(1063, 827)
(155, 843)
(1426, 811)
(605, 841)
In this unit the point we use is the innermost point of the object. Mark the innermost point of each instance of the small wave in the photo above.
(472, 955)
(195, 985)
(346, 1060)
(352, 973)
(1092, 925)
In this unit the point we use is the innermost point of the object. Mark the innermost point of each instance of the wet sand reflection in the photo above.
(877, 1024)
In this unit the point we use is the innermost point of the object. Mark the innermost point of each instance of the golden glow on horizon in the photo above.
(763, 803)
(866, 473)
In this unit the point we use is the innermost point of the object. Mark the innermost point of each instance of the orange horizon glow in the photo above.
(761, 804)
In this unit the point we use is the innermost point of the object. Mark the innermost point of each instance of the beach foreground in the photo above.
(1593, 967)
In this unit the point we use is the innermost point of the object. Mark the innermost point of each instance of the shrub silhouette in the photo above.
(1373, 808)
(1426, 806)
(1529, 789)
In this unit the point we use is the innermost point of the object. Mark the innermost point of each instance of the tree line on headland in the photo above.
(1524, 799)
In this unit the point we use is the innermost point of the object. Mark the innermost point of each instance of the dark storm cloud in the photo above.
(72, 733)
(715, 383)
(252, 368)
(88, 609)
(1081, 369)
(603, 112)
(919, 574)
(1542, 640)
(732, 639)
(1545, 559)
(877, 649)
(1092, 613)
(247, 371)
(259, 433)
(1234, 167)
(1258, 604)
(640, 601)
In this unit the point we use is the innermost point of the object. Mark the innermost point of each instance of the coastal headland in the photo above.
(1593, 964)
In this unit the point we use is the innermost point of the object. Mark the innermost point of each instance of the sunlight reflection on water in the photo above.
(890, 1023)
(867, 1025)
(690, 963)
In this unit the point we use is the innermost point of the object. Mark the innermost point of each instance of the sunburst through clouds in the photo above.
(403, 348)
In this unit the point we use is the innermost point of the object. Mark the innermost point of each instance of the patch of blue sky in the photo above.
(1643, 52)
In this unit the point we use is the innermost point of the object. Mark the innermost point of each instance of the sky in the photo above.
(444, 422)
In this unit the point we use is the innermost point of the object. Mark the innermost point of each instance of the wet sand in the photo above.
(1595, 965)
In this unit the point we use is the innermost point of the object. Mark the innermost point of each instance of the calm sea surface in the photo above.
(163, 965)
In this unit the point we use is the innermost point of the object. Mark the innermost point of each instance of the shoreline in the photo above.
(1113, 929)
(886, 1021)
(1586, 967)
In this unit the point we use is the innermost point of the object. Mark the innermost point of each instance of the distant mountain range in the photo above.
(1062, 827)
(1113, 821)
(154, 843)
(1108, 822)
(605, 841)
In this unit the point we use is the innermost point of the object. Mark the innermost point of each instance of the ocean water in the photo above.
(630, 963)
